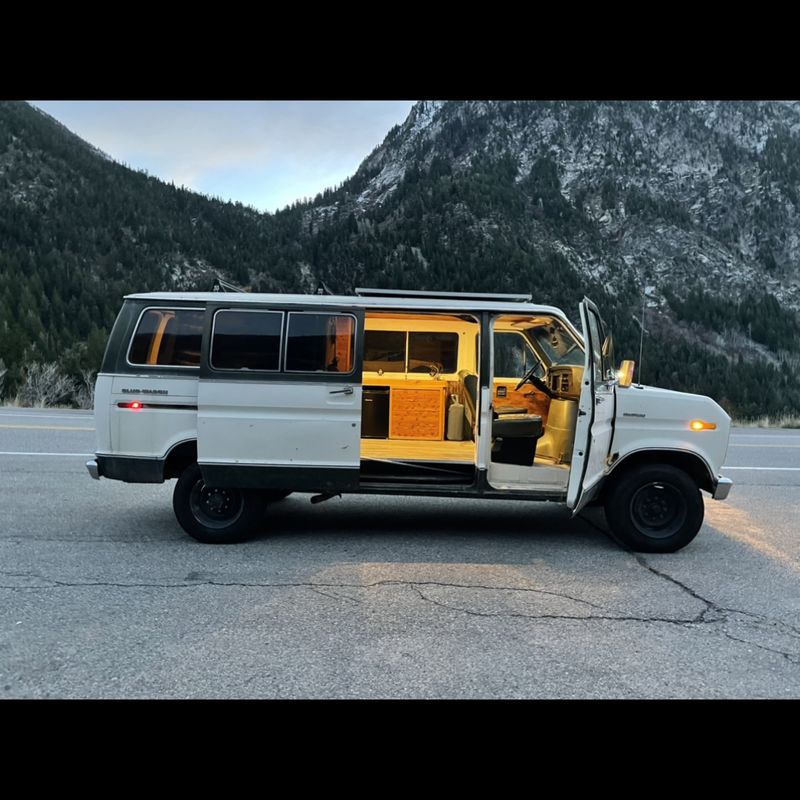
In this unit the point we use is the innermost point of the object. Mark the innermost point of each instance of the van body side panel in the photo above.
(168, 414)
(654, 419)
(132, 443)
(279, 424)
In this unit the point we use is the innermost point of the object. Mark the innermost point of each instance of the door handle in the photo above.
(346, 390)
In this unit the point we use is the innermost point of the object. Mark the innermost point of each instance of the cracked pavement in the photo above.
(103, 595)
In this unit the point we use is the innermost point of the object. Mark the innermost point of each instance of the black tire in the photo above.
(655, 509)
(215, 515)
(274, 495)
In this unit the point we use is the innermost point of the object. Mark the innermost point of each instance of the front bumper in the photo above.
(723, 488)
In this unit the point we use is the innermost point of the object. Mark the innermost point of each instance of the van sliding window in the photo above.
(246, 339)
(320, 343)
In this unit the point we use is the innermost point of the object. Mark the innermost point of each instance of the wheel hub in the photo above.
(216, 501)
(214, 506)
(658, 509)
(655, 509)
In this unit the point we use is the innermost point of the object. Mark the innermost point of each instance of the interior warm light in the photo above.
(702, 425)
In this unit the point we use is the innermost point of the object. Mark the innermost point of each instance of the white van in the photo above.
(245, 398)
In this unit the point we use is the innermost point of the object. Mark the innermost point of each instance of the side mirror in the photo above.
(626, 373)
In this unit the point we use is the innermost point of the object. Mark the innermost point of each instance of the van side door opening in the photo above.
(535, 384)
(415, 429)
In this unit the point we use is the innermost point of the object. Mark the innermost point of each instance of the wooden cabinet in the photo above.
(416, 410)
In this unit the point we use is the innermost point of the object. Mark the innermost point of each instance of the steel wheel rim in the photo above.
(215, 507)
(658, 510)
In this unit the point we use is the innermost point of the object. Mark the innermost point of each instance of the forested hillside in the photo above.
(692, 207)
(78, 231)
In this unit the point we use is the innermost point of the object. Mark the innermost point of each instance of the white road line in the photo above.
(762, 435)
(47, 416)
(16, 453)
(734, 444)
(774, 469)
(45, 427)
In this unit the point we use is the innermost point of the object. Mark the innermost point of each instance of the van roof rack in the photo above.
(223, 286)
(506, 298)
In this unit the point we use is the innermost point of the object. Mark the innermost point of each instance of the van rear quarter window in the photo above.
(168, 337)
(247, 340)
(320, 343)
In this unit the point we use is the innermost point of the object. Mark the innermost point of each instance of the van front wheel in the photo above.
(214, 514)
(655, 509)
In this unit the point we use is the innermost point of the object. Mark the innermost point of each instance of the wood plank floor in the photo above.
(408, 450)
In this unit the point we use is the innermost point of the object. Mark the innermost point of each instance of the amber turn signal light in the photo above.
(702, 425)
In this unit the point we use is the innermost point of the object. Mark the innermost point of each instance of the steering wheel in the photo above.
(536, 381)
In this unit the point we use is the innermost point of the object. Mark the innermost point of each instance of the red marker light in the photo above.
(135, 405)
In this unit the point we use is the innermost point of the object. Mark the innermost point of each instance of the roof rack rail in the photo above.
(223, 286)
(506, 298)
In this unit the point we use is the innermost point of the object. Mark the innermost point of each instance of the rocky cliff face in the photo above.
(690, 208)
(698, 193)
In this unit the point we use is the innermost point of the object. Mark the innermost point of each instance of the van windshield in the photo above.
(558, 344)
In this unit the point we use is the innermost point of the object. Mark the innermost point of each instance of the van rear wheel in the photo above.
(655, 509)
(214, 514)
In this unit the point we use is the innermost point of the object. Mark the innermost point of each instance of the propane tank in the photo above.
(455, 419)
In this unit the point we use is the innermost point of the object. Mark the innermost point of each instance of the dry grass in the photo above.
(780, 421)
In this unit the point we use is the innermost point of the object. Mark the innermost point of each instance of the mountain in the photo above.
(688, 207)
(78, 231)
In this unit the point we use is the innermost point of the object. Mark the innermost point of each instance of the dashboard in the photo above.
(565, 381)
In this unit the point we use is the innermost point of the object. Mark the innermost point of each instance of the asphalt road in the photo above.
(102, 595)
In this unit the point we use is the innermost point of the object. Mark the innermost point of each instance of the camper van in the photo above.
(245, 398)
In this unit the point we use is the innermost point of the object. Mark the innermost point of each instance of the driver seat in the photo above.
(514, 431)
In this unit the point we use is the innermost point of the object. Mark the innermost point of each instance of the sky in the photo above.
(265, 154)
